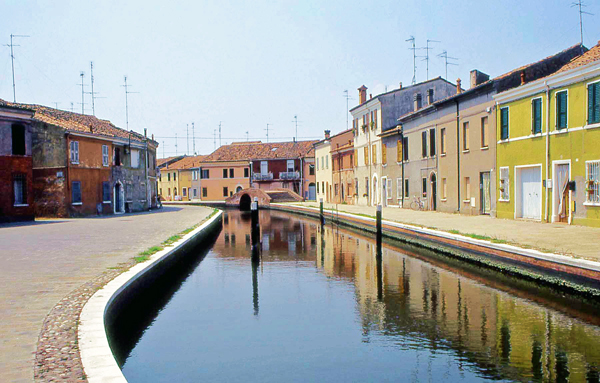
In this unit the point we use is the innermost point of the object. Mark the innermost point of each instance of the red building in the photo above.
(16, 176)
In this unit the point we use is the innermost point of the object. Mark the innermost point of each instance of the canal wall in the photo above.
(104, 308)
(572, 275)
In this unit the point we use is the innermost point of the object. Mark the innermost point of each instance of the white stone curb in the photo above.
(97, 358)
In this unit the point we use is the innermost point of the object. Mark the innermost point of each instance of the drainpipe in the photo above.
(67, 175)
(546, 210)
(458, 152)
(301, 178)
(146, 162)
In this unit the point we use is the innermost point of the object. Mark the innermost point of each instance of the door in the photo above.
(312, 192)
(485, 197)
(562, 192)
(434, 191)
(530, 188)
(264, 167)
(383, 192)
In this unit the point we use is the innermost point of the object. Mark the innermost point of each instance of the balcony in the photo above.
(262, 177)
(289, 176)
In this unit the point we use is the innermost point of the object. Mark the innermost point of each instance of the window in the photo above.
(466, 136)
(135, 158)
(106, 192)
(317, 188)
(388, 189)
(561, 109)
(424, 187)
(195, 192)
(169, 192)
(406, 191)
(184, 192)
(355, 157)
(504, 184)
(594, 103)
(374, 119)
(536, 115)
(18, 140)
(311, 170)
(129, 192)
(205, 174)
(174, 176)
(231, 173)
(467, 189)
(104, 155)
(335, 188)
(169, 177)
(117, 157)
(76, 192)
(194, 175)
(246, 172)
(444, 188)
(224, 173)
(592, 186)
(399, 151)
(290, 165)
(327, 161)
(225, 191)
(504, 123)
(323, 187)
(405, 148)
(74, 146)
(160, 191)
(204, 192)
(20, 189)
(424, 144)
(159, 177)
(356, 189)
(317, 163)
(484, 132)
(398, 188)
(366, 152)
(443, 141)
(264, 167)
(374, 153)
(432, 143)
(383, 153)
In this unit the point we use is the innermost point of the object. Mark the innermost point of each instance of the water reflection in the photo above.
(336, 307)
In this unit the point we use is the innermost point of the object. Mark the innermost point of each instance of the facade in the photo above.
(180, 180)
(342, 167)
(324, 176)
(16, 166)
(379, 114)
(83, 165)
(548, 152)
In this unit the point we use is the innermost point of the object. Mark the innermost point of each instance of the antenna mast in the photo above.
(247, 136)
(82, 93)
(219, 133)
(193, 139)
(127, 109)
(215, 138)
(12, 58)
(426, 59)
(445, 56)
(268, 131)
(187, 133)
(581, 4)
(296, 121)
(348, 98)
(176, 145)
(414, 49)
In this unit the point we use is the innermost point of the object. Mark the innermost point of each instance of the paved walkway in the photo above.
(577, 241)
(42, 262)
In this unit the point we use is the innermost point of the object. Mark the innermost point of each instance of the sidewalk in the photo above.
(576, 241)
(41, 262)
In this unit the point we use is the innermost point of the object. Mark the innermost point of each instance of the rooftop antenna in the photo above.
(268, 131)
(92, 92)
(348, 98)
(55, 104)
(581, 4)
(445, 56)
(187, 133)
(82, 94)
(427, 49)
(164, 149)
(414, 49)
(12, 57)
(193, 139)
(296, 121)
(215, 138)
(72, 107)
(220, 133)
(175, 144)
(127, 107)
(247, 136)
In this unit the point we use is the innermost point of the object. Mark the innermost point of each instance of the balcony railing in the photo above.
(262, 177)
(289, 175)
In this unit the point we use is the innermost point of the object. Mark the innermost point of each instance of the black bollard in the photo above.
(321, 216)
(255, 265)
(379, 261)
(255, 231)
(378, 226)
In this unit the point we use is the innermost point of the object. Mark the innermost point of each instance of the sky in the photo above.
(246, 64)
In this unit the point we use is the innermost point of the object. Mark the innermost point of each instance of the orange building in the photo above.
(342, 161)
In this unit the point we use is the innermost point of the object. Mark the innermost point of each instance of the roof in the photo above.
(187, 162)
(76, 122)
(588, 57)
(264, 151)
(161, 161)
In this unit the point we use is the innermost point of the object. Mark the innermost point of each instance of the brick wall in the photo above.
(10, 165)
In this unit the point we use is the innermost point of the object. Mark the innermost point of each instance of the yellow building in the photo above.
(175, 179)
(548, 153)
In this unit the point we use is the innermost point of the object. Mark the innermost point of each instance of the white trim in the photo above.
(21, 205)
(519, 167)
(555, 187)
(556, 92)
(499, 183)
(77, 203)
(115, 140)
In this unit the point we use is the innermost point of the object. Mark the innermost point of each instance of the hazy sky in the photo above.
(257, 62)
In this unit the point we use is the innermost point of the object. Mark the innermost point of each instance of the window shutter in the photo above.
(596, 102)
(399, 151)
(432, 142)
(504, 124)
(383, 153)
(562, 110)
(366, 152)
(424, 144)
(590, 103)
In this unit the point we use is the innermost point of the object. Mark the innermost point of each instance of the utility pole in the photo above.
(82, 94)
(12, 58)
(426, 59)
(187, 133)
(193, 139)
(581, 4)
(268, 131)
(348, 98)
(445, 56)
(127, 108)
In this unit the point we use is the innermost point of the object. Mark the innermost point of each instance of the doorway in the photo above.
(529, 192)
(560, 192)
(312, 192)
(119, 198)
(485, 192)
(433, 179)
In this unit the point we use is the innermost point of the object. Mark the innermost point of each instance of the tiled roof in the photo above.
(160, 161)
(187, 162)
(76, 122)
(588, 57)
(263, 151)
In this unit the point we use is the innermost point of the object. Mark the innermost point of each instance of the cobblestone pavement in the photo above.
(577, 241)
(42, 262)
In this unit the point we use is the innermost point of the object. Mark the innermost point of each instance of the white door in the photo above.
(531, 179)
(264, 167)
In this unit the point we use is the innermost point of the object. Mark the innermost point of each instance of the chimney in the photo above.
(152, 136)
(370, 96)
(523, 78)
(400, 87)
(478, 77)
(458, 88)
(362, 94)
(145, 132)
(417, 101)
(430, 96)
(327, 134)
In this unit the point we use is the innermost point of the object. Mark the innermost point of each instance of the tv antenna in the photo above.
(12, 58)
(127, 92)
(427, 49)
(72, 107)
(445, 56)
(215, 138)
(414, 49)
(579, 4)
(220, 133)
(247, 136)
(82, 74)
(268, 131)
(92, 92)
(296, 122)
(193, 139)
(56, 104)
(348, 98)
(175, 144)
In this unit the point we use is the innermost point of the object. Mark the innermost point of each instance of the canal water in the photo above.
(322, 306)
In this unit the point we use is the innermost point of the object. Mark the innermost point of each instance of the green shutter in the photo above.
(504, 123)
(561, 101)
(590, 103)
(537, 116)
(596, 105)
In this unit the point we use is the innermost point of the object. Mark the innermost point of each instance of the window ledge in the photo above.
(591, 204)
(384, 165)
(466, 151)
(466, 201)
(74, 163)
(560, 131)
(485, 148)
(503, 200)
(443, 155)
(21, 205)
(106, 202)
(504, 141)
(592, 126)
(443, 200)
(77, 203)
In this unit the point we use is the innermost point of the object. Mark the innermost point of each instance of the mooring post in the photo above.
(321, 216)
(378, 256)
(255, 230)
(378, 226)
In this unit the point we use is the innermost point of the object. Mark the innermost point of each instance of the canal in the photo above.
(322, 306)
